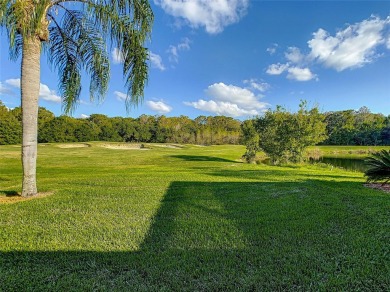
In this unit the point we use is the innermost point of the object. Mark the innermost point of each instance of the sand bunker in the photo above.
(77, 145)
(125, 146)
(172, 146)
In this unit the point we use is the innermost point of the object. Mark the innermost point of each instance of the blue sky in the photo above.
(239, 57)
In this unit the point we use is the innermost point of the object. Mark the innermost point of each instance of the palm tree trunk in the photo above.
(30, 82)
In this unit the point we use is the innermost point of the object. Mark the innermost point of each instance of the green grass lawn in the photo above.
(191, 218)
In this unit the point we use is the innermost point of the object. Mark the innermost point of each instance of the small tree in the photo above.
(378, 167)
(284, 136)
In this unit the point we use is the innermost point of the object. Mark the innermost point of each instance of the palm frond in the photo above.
(4, 4)
(128, 25)
(378, 166)
(62, 53)
(135, 70)
(8, 20)
(76, 45)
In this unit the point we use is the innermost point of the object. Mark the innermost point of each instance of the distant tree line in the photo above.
(359, 127)
(147, 129)
(348, 127)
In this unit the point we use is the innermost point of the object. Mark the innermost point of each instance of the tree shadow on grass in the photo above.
(201, 158)
(229, 236)
(10, 193)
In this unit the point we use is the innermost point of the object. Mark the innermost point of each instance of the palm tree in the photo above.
(74, 35)
(378, 167)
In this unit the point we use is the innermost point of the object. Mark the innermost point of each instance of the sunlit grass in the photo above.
(190, 218)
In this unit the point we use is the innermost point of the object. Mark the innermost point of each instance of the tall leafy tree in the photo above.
(74, 35)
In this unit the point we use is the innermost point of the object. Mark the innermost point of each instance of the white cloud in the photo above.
(173, 54)
(4, 90)
(230, 100)
(256, 85)
(84, 116)
(300, 74)
(272, 50)
(120, 95)
(117, 56)
(294, 55)
(352, 47)
(221, 108)
(234, 94)
(213, 15)
(45, 92)
(81, 101)
(159, 106)
(277, 69)
(156, 61)
(185, 44)
(173, 51)
(13, 82)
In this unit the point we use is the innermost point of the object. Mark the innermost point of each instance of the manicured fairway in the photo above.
(188, 218)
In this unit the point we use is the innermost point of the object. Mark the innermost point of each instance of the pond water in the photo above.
(346, 163)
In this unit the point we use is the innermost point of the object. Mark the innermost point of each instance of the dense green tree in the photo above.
(351, 127)
(182, 130)
(107, 131)
(164, 129)
(17, 113)
(44, 116)
(368, 127)
(146, 129)
(126, 128)
(216, 130)
(59, 129)
(228, 130)
(86, 130)
(202, 130)
(76, 35)
(233, 132)
(284, 136)
(385, 133)
(251, 139)
(10, 127)
(340, 127)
